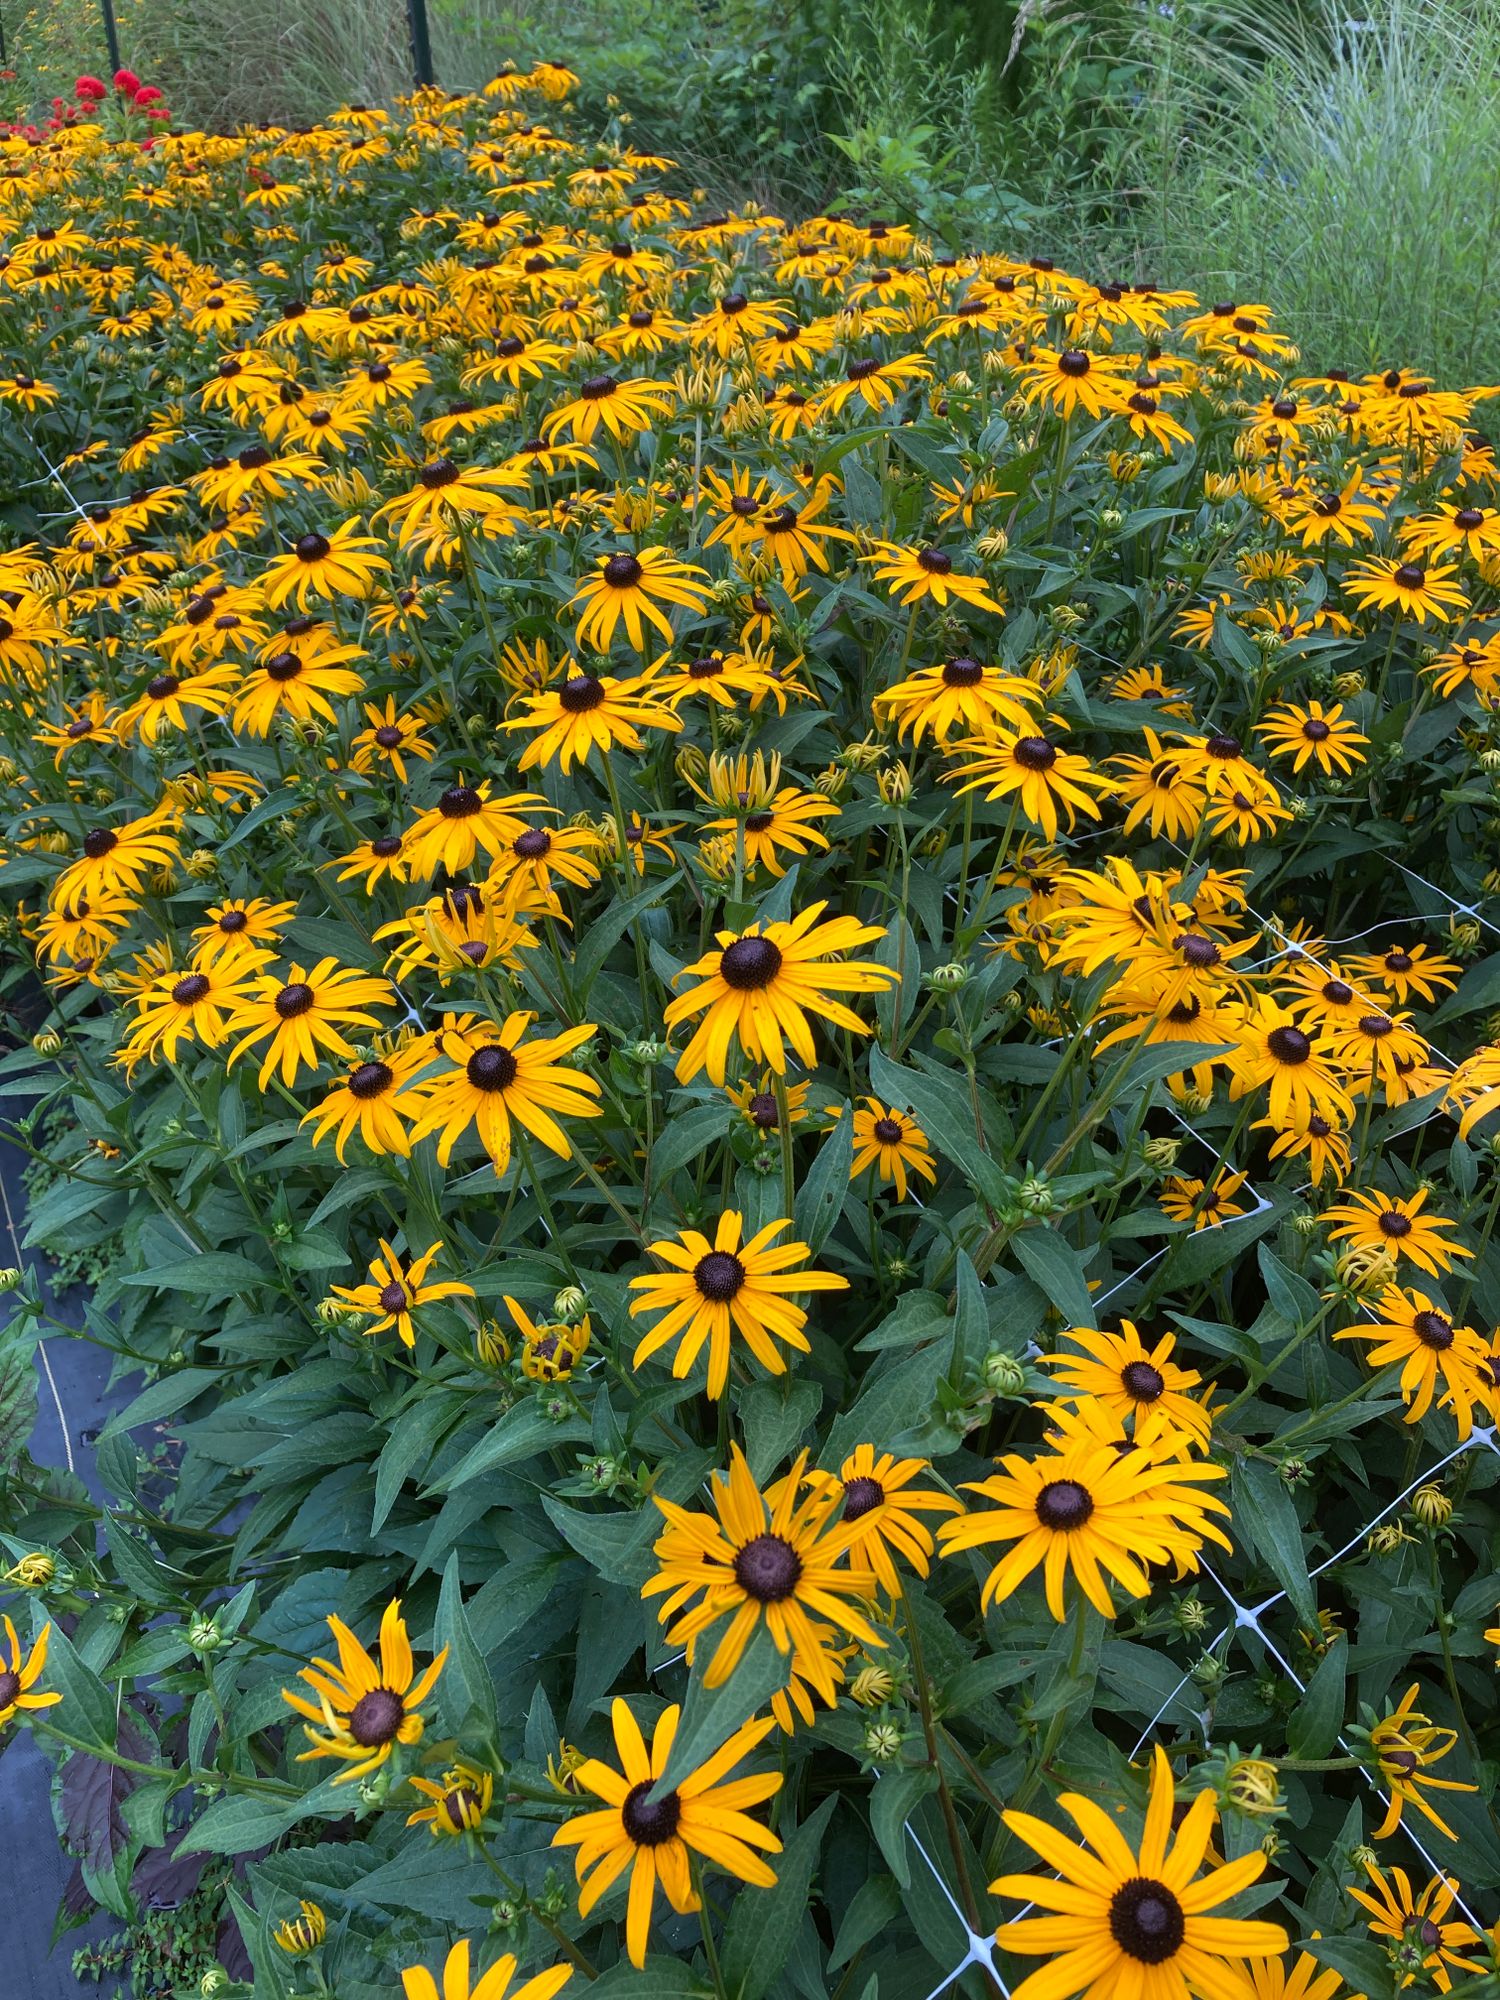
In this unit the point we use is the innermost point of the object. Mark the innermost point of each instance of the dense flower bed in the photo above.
(764, 966)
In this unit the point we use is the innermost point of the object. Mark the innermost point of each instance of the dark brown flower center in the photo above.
(1198, 951)
(388, 736)
(492, 1068)
(233, 921)
(1073, 361)
(598, 387)
(1063, 1505)
(650, 1825)
(962, 673)
(750, 963)
(1409, 576)
(1146, 1920)
(719, 1276)
(1316, 730)
(1398, 961)
(1289, 1045)
(763, 1110)
(376, 1718)
(1433, 1331)
(384, 845)
(394, 1298)
(1468, 517)
(461, 1807)
(1034, 753)
(622, 572)
(532, 844)
(768, 1569)
(887, 1131)
(371, 1079)
(1337, 993)
(283, 667)
(98, 842)
(1227, 747)
(1400, 1760)
(189, 991)
(1142, 1382)
(861, 1497)
(935, 562)
(294, 999)
(1391, 1222)
(312, 548)
(460, 802)
(10, 1687)
(163, 686)
(583, 692)
(438, 472)
(1376, 1026)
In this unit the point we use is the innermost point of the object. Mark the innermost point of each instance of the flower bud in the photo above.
(204, 1636)
(882, 1742)
(1035, 1196)
(304, 1933)
(871, 1687)
(950, 977)
(491, 1344)
(47, 1042)
(32, 1572)
(1432, 1506)
(10, 1277)
(1251, 1786)
(570, 1304)
(1161, 1153)
(1003, 1375)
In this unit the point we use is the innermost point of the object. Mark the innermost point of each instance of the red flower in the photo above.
(148, 94)
(89, 88)
(127, 83)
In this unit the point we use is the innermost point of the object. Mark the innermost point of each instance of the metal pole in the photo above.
(111, 34)
(421, 39)
(3, 57)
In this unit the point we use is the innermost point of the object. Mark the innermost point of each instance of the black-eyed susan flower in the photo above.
(174, 701)
(589, 712)
(464, 821)
(1295, 1067)
(550, 1349)
(1185, 1198)
(757, 989)
(499, 1077)
(1404, 1745)
(635, 587)
(118, 858)
(298, 680)
(1142, 1385)
(1133, 1919)
(240, 927)
(363, 1710)
(1400, 970)
(459, 1804)
(771, 822)
(874, 1492)
(1439, 1361)
(195, 1006)
(962, 695)
(394, 1291)
(374, 1100)
(1159, 789)
(446, 494)
(913, 575)
(388, 739)
(893, 1143)
(652, 1838)
(1309, 732)
(19, 1674)
(1050, 785)
(1419, 1922)
(1397, 1224)
(382, 857)
(417, 1983)
(622, 408)
(1073, 378)
(302, 1014)
(713, 1291)
(1381, 583)
(774, 1562)
(1086, 1508)
(342, 564)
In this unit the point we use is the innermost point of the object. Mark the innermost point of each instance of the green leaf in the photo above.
(1293, 1297)
(237, 1824)
(888, 1404)
(1266, 1518)
(821, 1198)
(658, 1979)
(141, 1572)
(163, 1399)
(686, 1135)
(894, 1800)
(1318, 1717)
(971, 1322)
(87, 1710)
(875, 1904)
(773, 1416)
(764, 1923)
(466, 1668)
(520, 1433)
(1361, 1961)
(17, 1403)
(1052, 1264)
(605, 932)
(408, 1444)
(710, 1716)
(209, 1272)
(941, 1107)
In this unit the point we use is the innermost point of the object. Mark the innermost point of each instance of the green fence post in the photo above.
(421, 40)
(111, 34)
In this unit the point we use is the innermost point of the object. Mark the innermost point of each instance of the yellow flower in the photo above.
(363, 1709)
(393, 1292)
